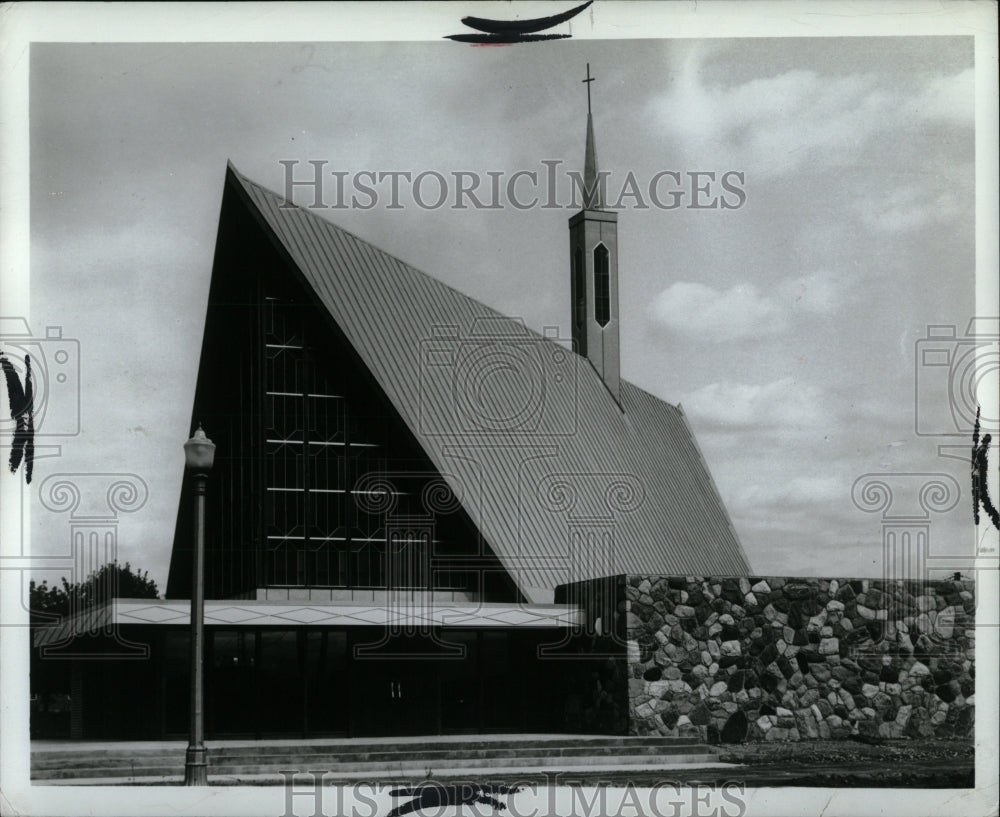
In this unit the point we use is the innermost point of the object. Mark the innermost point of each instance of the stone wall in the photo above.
(733, 660)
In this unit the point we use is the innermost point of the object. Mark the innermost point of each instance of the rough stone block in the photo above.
(944, 624)
(817, 621)
(821, 672)
(632, 652)
(730, 648)
(658, 689)
(854, 685)
(699, 715)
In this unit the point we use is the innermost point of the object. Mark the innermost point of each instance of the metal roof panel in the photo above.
(563, 483)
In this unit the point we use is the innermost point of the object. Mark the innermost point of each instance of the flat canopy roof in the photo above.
(252, 613)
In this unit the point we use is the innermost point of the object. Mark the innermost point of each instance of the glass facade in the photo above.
(338, 472)
(288, 682)
(318, 482)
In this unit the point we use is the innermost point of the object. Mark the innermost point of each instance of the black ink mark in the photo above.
(980, 471)
(504, 39)
(507, 32)
(435, 796)
(22, 412)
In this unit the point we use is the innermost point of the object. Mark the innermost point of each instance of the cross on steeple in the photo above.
(588, 80)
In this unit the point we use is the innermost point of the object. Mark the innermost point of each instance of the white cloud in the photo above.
(905, 209)
(950, 98)
(774, 126)
(698, 310)
(759, 496)
(787, 405)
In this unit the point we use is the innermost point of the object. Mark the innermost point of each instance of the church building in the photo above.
(409, 489)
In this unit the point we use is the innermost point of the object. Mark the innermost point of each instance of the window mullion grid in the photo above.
(304, 475)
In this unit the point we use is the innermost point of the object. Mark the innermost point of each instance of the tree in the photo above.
(110, 581)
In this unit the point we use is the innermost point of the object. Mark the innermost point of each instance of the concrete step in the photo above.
(370, 757)
(265, 756)
(361, 745)
(417, 769)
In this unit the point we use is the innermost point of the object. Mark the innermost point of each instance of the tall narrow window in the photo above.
(602, 286)
(580, 285)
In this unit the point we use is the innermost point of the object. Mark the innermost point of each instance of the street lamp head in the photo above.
(199, 452)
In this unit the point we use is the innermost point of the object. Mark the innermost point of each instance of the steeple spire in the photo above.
(591, 188)
(593, 245)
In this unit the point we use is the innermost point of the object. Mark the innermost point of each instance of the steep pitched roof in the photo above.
(562, 483)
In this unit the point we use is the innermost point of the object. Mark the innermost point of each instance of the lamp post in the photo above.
(199, 454)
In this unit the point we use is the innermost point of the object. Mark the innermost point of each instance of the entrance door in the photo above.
(231, 683)
(393, 696)
(458, 676)
(327, 689)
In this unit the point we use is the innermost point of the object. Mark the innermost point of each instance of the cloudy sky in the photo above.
(786, 327)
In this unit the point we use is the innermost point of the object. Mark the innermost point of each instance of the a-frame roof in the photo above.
(576, 486)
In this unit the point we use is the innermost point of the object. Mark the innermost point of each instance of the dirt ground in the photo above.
(923, 763)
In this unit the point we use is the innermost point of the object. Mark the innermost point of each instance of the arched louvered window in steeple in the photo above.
(602, 286)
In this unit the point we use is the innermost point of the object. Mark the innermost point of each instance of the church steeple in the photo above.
(593, 241)
(591, 190)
